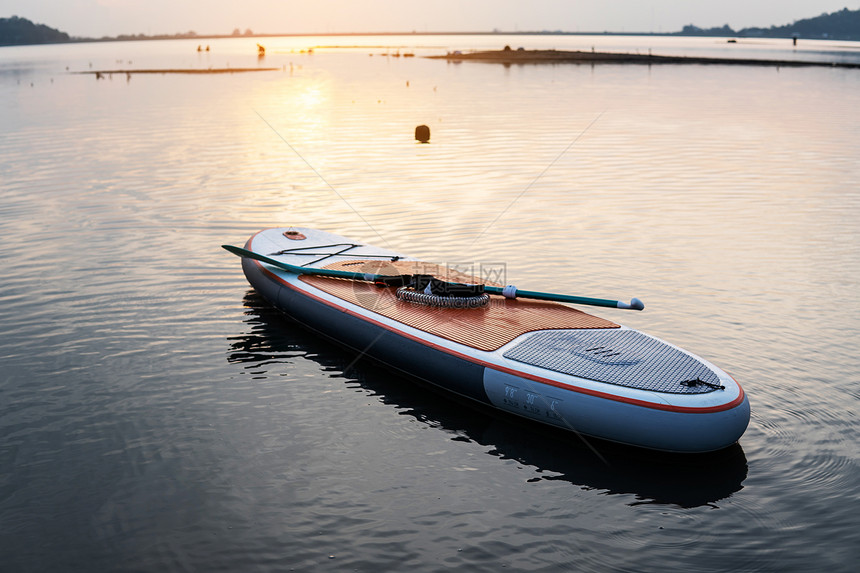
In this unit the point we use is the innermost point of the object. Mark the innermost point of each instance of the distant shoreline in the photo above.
(142, 37)
(145, 38)
(840, 25)
(523, 57)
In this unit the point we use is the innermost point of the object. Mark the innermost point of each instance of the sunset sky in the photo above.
(96, 18)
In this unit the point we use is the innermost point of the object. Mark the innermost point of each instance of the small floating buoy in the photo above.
(422, 133)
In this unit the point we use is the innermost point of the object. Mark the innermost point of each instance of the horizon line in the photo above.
(192, 35)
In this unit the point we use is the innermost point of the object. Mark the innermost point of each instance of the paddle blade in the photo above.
(239, 251)
(303, 270)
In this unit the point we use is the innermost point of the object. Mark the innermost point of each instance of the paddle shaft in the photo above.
(635, 304)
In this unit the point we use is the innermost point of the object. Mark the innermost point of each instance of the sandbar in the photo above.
(179, 71)
(508, 57)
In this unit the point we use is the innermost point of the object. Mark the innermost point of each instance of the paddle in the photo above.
(508, 291)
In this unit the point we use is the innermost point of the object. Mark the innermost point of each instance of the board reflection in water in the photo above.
(273, 342)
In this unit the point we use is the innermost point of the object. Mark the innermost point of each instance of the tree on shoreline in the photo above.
(840, 25)
(17, 31)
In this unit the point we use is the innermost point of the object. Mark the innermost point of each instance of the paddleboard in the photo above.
(545, 361)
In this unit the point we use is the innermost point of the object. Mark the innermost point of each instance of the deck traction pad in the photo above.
(620, 357)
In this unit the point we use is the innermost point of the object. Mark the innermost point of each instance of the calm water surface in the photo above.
(156, 415)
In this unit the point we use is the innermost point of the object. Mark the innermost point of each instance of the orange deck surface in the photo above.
(486, 328)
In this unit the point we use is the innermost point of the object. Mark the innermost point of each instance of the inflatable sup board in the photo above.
(539, 359)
